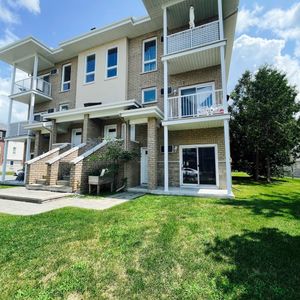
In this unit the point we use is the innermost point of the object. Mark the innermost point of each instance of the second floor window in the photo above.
(66, 78)
(112, 63)
(149, 55)
(63, 107)
(149, 95)
(90, 68)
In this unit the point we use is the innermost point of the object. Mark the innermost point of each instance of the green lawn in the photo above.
(4, 186)
(159, 247)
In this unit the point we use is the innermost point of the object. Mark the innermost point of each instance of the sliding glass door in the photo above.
(198, 165)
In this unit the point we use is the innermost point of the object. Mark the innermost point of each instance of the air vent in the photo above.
(169, 91)
(54, 72)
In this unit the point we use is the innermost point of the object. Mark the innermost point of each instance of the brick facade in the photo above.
(59, 97)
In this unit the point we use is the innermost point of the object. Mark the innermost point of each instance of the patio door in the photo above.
(198, 165)
(195, 98)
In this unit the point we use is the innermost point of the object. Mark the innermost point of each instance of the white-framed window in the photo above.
(90, 68)
(132, 132)
(14, 150)
(112, 63)
(1, 135)
(64, 107)
(149, 55)
(149, 95)
(66, 78)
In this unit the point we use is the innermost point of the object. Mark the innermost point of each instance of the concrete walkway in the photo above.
(27, 208)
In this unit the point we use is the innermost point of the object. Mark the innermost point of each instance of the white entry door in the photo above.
(76, 136)
(144, 166)
(110, 131)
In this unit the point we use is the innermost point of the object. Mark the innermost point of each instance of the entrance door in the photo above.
(144, 166)
(110, 132)
(76, 136)
(198, 165)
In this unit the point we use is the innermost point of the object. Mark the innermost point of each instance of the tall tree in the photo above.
(265, 132)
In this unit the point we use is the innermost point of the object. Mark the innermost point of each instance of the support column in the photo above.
(13, 78)
(152, 153)
(53, 135)
(166, 159)
(37, 143)
(227, 157)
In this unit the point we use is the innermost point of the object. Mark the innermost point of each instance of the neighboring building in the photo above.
(15, 153)
(158, 83)
(2, 136)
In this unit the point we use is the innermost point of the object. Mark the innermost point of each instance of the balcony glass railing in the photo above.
(195, 37)
(26, 85)
(196, 105)
(17, 129)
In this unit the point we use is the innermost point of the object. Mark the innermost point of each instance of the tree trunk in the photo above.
(268, 170)
(256, 175)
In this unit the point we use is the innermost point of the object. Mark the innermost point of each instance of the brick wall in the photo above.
(58, 96)
(138, 80)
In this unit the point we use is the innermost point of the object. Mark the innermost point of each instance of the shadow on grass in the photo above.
(265, 265)
(272, 205)
(244, 180)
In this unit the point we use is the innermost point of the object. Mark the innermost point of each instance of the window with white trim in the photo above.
(149, 95)
(14, 150)
(38, 117)
(63, 107)
(150, 55)
(66, 78)
(112, 63)
(90, 67)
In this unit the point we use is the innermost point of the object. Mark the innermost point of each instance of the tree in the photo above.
(113, 157)
(265, 132)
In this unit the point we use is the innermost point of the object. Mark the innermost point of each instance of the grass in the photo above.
(5, 186)
(159, 247)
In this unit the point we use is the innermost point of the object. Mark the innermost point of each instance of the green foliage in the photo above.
(264, 130)
(113, 157)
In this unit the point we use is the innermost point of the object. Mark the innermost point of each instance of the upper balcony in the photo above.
(192, 38)
(22, 90)
(195, 32)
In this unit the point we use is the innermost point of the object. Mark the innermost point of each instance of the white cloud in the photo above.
(252, 52)
(6, 15)
(248, 18)
(19, 110)
(9, 8)
(31, 5)
(8, 38)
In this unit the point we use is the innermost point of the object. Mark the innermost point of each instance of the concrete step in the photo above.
(50, 188)
(41, 181)
(63, 182)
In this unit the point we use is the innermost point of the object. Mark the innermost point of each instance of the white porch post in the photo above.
(166, 85)
(227, 157)
(221, 22)
(13, 78)
(31, 111)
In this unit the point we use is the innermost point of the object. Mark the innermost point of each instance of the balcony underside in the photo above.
(26, 96)
(194, 59)
(196, 123)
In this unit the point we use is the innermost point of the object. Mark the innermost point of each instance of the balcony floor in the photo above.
(26, 96)
(196, 123)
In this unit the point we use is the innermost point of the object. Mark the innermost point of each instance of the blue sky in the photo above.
(268, 32)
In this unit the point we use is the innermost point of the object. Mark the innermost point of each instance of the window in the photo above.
(149, 55)
(14, 150)
(66, 78)
(112, 63)
(63, 107)
(1, 135)
(11, 162)
(149, 95)
(132, 133)
(38, 117)
(90, 68)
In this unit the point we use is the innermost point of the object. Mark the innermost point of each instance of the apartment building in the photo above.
(158, 83)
